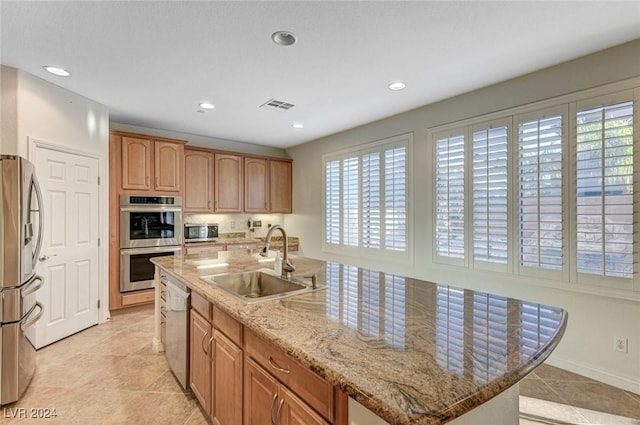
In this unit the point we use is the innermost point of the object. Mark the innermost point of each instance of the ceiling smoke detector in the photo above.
(277, 105)
(283, 38)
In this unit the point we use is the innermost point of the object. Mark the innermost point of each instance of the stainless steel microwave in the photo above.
(200, 232)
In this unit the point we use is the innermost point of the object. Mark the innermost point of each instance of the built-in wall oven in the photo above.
(150, 226)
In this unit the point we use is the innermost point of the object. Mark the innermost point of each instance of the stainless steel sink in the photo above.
(258, 286)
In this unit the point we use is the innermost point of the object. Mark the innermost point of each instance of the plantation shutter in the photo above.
(332, 202)
(449, 193)
(371, 204)
(604, 189)
(489, 195)
(350, 201)
(540, 193)
(395, 198)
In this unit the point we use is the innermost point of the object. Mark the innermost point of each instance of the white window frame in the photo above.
(404, 257)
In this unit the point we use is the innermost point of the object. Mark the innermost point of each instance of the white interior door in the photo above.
(69, 257)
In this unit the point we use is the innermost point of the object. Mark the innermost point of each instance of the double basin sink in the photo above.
(260, 286)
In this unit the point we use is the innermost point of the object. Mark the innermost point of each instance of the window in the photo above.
(540, 189)
(489, 187)
(604, 189)
(366, 199)
(449, 192)
(569, 216)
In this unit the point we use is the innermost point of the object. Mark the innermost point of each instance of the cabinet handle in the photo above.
(204, 349)
(210, 347)
(279, 411)
(276, 367)
(146, 181)
(273, 402)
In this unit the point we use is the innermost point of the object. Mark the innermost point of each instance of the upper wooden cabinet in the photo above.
(136, 163)
(198, 176)
(227, 183)
(168, 160)
(280, 186)
(148, 163)
(256, 185)
(267, 185)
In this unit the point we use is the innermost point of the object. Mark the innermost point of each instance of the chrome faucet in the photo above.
(287, 267)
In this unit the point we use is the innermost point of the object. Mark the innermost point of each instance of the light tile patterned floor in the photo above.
(109, 375)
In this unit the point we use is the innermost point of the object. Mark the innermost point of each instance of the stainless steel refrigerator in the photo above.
(21, 221)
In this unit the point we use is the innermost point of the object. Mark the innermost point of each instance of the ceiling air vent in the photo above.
(277, 105)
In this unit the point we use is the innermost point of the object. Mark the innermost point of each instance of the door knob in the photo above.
(46, 257)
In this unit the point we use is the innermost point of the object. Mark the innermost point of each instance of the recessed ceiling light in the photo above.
(56, 71)
(283, 38)
(297, 125)
(397, 85)
(205, 105)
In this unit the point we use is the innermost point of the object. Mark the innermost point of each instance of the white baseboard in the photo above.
(590, 372)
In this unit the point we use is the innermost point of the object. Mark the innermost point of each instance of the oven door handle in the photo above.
(158, 249)
(154, 208)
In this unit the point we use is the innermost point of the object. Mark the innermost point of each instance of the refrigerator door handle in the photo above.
(32, 286)
(36, 188)
(26, 322)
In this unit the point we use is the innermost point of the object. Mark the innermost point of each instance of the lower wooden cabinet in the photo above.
(215, 375)
(226, 407)
(241, 379)
(268, 402)
(200, 362)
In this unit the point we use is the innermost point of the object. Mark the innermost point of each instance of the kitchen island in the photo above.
(410, 351)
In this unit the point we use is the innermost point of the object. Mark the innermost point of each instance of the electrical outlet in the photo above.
(257, 223)
(620, 344)
(233, 224)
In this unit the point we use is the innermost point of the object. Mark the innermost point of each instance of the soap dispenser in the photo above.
(277, 267)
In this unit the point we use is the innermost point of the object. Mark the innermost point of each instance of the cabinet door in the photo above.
(198, 181)
(226, 408)
(260, 395)
(280, 186)
(256, 187)
(167, 166)
(227, 183)
(136, 163)
(200, 372)
(295, 411)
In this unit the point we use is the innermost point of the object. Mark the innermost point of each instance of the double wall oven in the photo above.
(150, 226)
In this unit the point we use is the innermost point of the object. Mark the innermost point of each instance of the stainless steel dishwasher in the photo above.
(177, 342)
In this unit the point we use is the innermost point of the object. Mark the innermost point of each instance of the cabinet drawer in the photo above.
(201, 305)
(227, 325)
(311, 388)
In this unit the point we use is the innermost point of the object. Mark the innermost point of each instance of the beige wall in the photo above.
(587, 346)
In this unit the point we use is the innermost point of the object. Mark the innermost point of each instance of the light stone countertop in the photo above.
(411, 351)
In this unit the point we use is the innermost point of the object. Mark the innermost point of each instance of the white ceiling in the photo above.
(153, 62)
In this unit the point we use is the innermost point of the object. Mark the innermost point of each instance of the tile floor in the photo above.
(109, 375)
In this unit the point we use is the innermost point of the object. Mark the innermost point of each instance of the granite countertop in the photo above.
(276, 241)
(412, 352)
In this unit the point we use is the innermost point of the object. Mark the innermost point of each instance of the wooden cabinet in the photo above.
(280, 186)
(256, 185)
(267, 401)
(227, 183)
(200, 361)
(168, 159)
(226, 407)
(267, 185)
(215, 375)
(198, 175)
(136, 163)
(315, 391)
